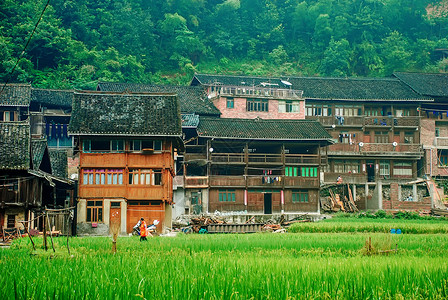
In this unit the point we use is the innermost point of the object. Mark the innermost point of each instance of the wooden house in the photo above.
(194, 102)
(434, 120)
(255, 166)
(374, 123)
(126, 143)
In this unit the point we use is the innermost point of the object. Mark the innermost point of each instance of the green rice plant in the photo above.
(372, 225)
(257, 266)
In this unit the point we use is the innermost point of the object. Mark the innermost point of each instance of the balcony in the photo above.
(392, 121)
(227, 181)
(376, 149)
(268, 159)
(441, 142)
(261, 92)
(263, 181)
(377, 121)
(389, 148)
(196, 181)
(346, 177)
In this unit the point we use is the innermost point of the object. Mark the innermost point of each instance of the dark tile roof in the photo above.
(262, 129)
(52, 98)
(345, 89)
(190, 120)
(371, 89)
(141, 114)
(59, 162)
(15, 94)
(192, 99)
(429, 84)
(208, 79)
(14, 145)
(38, 147)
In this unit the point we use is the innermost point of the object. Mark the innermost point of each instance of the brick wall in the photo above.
(239, 111)
(393, 202)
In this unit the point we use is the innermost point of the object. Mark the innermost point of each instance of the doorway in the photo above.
(370, 166)
(267, 203)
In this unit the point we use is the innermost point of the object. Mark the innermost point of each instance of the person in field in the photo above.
(143, 230)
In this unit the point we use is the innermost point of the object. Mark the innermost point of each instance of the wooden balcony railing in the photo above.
(367, 121)
(265, 158)
(346, 177)
(263, 181)
(195, 181)
(217, 180)
(263, 92)
(400, 149)
(377, 148)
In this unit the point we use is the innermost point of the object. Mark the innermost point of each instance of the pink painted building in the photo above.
(253, 97)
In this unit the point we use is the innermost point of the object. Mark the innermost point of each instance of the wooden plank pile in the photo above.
(337, 202)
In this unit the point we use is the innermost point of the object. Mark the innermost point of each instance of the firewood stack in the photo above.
(337, 202)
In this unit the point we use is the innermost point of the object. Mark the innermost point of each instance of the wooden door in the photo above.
(149, 210)
(268, 203)
(115, 214)
(366, 138)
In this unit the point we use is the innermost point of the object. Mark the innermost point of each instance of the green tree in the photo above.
(336, 61)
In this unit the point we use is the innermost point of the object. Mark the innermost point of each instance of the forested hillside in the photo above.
(165, 41)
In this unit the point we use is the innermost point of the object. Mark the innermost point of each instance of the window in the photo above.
(288, 106)
(346, 166)
(402, 168)
(443, 158)
(382, 137)
(409, 138)
(102, 176)
(348, 110)
(309, 171)
(302, 171)
(257, 105)
(102, 146)
(139, 145)
(437, 132)
(384, 167)
(226, 195)
(300, 196)
(145, 177)
(9, 116)
(230, 103)
(318, 110)
(11, 221)
(94, 211)
(291, 171)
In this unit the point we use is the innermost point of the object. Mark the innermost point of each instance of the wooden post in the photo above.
(45, 230)
(68, 230)
(51, 236)
(27, 232)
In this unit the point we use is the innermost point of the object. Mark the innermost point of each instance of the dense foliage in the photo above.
(165, 41)
(255, 266)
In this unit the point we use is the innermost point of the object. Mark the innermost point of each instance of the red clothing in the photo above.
(143, 231)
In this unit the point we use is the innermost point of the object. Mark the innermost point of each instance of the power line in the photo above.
(24, 48)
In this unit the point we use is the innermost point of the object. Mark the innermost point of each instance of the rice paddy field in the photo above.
(307, 264)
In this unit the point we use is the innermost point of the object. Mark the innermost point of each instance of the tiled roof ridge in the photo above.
(422, 73)
(51, 90)
(259, 120)
(281, 77)
(124, 93)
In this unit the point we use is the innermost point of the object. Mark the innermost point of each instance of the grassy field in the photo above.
(373, 225)
(251, 266)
